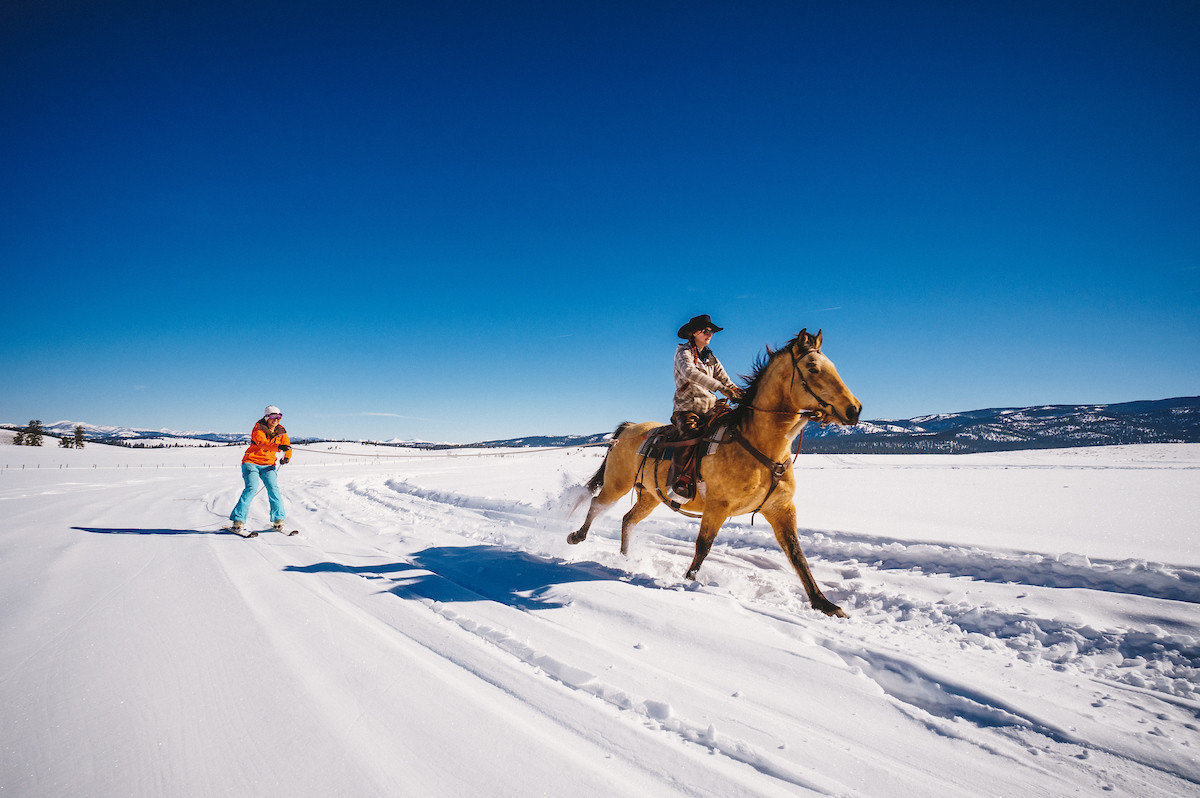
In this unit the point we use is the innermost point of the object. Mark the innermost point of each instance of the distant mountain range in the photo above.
(1008, 428)
(535, 441)
(997, 429)
(992, 430)
(101, 434)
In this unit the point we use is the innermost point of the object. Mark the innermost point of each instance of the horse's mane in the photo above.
(739, 415)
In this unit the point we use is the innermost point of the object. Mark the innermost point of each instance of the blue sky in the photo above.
(468, 220)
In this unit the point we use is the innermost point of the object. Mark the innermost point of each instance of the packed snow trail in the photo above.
(195, 664)
(430, 631)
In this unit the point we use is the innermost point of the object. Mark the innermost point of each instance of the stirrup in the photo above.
(684, 489)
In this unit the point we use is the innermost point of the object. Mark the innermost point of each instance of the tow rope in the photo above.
(451, 452)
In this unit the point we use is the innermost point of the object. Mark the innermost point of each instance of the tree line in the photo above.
(32, 436)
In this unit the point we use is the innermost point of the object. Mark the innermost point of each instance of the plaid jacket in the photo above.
(696, 380)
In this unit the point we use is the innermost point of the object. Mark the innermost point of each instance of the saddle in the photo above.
(685, 453)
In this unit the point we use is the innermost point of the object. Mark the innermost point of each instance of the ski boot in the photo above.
(239, 528)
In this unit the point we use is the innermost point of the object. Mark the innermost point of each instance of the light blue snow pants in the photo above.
(255, 476)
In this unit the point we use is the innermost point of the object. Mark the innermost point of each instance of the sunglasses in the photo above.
(276, 416)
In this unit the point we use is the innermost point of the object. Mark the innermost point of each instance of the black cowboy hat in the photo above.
(702, 322)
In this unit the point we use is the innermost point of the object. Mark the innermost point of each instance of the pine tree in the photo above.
(79, 436)
(33, 433)
(66, 443)
(19, 440)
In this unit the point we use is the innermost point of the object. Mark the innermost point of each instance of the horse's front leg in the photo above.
(783, 520)
(710, 523)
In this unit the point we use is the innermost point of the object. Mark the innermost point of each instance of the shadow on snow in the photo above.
(120, 530)
(480, 573)
(454, 573)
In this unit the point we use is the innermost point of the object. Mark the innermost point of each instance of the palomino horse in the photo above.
(750, 471)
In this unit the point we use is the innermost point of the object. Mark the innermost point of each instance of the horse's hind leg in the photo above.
(645, 504)
(618, 478)
(594, 510)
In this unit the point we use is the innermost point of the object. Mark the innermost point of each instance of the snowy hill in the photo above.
(536, 441)
(103, 434)
(1021, 623)
(1007, 429)
(997, 429)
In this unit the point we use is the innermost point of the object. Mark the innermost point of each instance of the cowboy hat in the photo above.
(696, 323)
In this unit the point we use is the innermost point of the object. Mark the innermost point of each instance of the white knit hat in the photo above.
(272, 409)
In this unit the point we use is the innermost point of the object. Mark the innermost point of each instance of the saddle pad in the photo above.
(719, 437)
(652, 445)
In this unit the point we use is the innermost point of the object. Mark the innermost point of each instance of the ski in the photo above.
(250, 533)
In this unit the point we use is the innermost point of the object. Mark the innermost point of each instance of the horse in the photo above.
(749, 471)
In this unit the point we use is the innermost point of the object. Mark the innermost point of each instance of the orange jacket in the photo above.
(264, 444)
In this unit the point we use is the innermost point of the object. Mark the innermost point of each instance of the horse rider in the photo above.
(698, 374)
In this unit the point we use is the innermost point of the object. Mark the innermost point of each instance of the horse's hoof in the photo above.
(575, 537)
(692, 574)
(829, 608)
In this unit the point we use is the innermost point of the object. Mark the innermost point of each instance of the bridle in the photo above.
(777, 470)
(815, 415)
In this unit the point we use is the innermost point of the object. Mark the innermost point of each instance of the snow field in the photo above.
(431, 631)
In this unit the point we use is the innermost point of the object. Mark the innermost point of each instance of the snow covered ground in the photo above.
(1021, 623)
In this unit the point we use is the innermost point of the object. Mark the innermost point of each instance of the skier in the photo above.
(697, 374)
(258, 469)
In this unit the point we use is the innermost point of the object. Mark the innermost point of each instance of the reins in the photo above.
(815, 415)
(778, 470)
(796, 373)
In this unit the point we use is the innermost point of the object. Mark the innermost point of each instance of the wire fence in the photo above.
(358, 458)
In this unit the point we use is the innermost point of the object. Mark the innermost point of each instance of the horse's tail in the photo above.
(597, 480)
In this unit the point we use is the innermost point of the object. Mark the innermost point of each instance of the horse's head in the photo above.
(815, 382)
